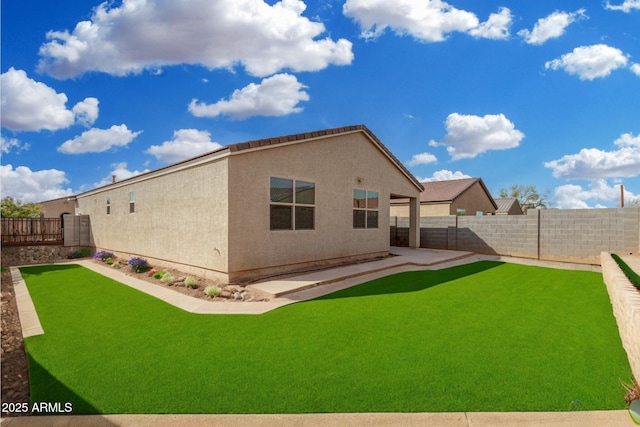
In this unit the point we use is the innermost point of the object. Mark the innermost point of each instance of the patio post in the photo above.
(414, 223)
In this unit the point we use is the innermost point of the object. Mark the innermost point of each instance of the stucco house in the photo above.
(467, 196)
(259, 208)
(56, 208)
(508, 206)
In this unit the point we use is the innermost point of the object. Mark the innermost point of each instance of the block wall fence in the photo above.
(572, 235)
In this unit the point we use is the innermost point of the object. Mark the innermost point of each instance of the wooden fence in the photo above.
(31, 231)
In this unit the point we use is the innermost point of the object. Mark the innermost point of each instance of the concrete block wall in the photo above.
(399, 232)
(580, 235)
(576, 235)
(625, 301)
(513, 236)
(438, 232)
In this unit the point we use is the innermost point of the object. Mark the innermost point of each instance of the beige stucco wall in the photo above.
(335, 165)
(399, 210)
(55, 208)
(472, 200)
(180, 217)
(438, 209)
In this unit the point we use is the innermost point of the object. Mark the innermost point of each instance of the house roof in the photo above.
(287, 139)
(446, 191)
(505, 205)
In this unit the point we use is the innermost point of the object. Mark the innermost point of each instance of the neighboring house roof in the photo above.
(507, 205)
(287, 139)
(446, 191)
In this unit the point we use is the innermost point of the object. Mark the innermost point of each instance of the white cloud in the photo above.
(30, 186)
(636, 69)
(444, 175)
(186, 143)
(626, 6)
(571, 196)
(425, 20)
(468, 135)
(99, 140)
(590, 62)
(12, 144)
(592, 163)
(422, 159)
(121, 172)
(28, 105)
(278, 95)
(496, 27)
(551, 27)
(86, 112)
(141, 35)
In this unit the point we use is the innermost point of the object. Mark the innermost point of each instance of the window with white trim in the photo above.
(365, 209)
(108, 205)
(291, 204)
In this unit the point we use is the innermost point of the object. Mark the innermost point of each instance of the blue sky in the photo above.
(544, 93)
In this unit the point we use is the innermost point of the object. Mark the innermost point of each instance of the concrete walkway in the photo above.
(444, 419)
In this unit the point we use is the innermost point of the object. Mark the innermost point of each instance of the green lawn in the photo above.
(479, 337)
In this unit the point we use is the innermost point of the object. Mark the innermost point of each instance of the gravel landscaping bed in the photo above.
(15, 378)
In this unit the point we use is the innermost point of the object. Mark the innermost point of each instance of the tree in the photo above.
(632, 203)
(16, 209)
(527, 196)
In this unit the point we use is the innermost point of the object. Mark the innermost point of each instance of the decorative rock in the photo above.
(237, 295)
(226, 294)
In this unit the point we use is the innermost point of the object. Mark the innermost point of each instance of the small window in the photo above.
(359, 199)
(281, 217)
(461, 212)
(304, 218)
(305, 193)
(292, 204)
(108, 205)
(281, 190)
(132, 202)
(365, 209)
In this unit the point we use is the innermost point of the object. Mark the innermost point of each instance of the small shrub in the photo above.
(80, 253)
(632, 391)
(109, 261)
(212, 291)
(158, 274)
(190, 282)
(117, 265)
(633, 277)
(167, 278)
(139, 265)
(103, 255)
